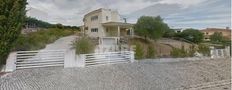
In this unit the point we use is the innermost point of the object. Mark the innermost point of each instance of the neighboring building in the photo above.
(29, 28)
(210, 31)
(106, 25)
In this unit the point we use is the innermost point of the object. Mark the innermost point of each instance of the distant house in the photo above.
(29, 28)
(210, 31)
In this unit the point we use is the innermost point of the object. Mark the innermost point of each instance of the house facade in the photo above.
(107, 26)
(105, 23)
(226, 33)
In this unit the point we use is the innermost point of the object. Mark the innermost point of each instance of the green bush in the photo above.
(151, 51)
(84, 46)
(176, 52)
(204, 49)
(139, 52)
(192, 51)
(39, 40)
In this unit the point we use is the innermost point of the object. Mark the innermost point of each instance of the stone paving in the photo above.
(142, 75)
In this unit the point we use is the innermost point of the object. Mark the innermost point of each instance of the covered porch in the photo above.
(118, 29)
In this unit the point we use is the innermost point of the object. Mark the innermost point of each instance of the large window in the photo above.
(94, 30)
(93, 18)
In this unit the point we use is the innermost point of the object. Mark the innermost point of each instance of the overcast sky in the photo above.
(177, 13)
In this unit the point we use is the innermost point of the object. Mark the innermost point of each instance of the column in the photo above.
(118, 31)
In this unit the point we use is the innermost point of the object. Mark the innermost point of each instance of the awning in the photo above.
(121, 24)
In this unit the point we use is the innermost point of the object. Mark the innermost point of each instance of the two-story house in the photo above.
(107, 26)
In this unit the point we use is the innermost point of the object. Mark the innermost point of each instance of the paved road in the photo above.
(143, 75)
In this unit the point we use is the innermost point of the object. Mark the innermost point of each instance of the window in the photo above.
(93, 18)
(107, 18)
(94, 30)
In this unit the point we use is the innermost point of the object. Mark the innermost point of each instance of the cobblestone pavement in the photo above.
(143, 75)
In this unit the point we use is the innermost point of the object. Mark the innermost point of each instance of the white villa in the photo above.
(107, 26)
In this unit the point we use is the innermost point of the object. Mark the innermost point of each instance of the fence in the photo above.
(34, 59)
(108, 58)
(220, 53)
(64, 58)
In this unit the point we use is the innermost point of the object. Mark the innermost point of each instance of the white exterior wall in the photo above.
(113, 16)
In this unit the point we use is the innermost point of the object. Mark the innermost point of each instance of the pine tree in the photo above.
(12, 16)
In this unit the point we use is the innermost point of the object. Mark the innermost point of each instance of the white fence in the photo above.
(108, 58)
(64, 58)
(34, 59)
(220, 53)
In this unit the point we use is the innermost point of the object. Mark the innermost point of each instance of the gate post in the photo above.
(11, 62)
(69, 58)
(80, 60)
(132, 56)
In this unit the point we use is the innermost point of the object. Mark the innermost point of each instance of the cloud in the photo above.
(175, 12)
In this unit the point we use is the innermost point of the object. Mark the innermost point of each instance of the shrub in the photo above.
(84, 46)
(12, 16)
(151, 51)
(176, 52)
(39, 40)
(204, 49)
(139, 52)
(191, 51)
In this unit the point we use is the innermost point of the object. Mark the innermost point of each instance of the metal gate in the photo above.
(108, 58)
(36, 59)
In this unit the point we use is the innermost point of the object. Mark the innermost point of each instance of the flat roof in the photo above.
(122, 24)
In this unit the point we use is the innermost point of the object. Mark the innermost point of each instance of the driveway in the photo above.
(62, 43)
(142, 75)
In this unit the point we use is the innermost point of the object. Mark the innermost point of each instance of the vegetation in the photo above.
(216, 37)
(38, 40)
(37, 23)
(144, 48)
(169, 33)
(204, 49)
(84, 46)
(139, 52)
(192, 35)
(42, 24)
(152, 27)
(12, 16)
(176, 52)
(151, 51)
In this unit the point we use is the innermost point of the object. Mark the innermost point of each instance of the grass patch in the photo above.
(84, 46)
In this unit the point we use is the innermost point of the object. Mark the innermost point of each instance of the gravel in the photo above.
(142, 75)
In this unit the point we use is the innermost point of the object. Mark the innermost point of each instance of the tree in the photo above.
(192, 35)
(152, 27)
(12, 16)
(169, 33)
(216, 37)
(37, 23)
(59, 26)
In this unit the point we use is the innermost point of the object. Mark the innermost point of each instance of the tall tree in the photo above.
(152, 27)
(12, 16)
(192, 35)
(216, 37)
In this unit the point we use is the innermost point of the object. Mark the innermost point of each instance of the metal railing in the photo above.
(108, 58)
(34, 59)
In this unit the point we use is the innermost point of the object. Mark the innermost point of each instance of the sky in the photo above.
(198, 14)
